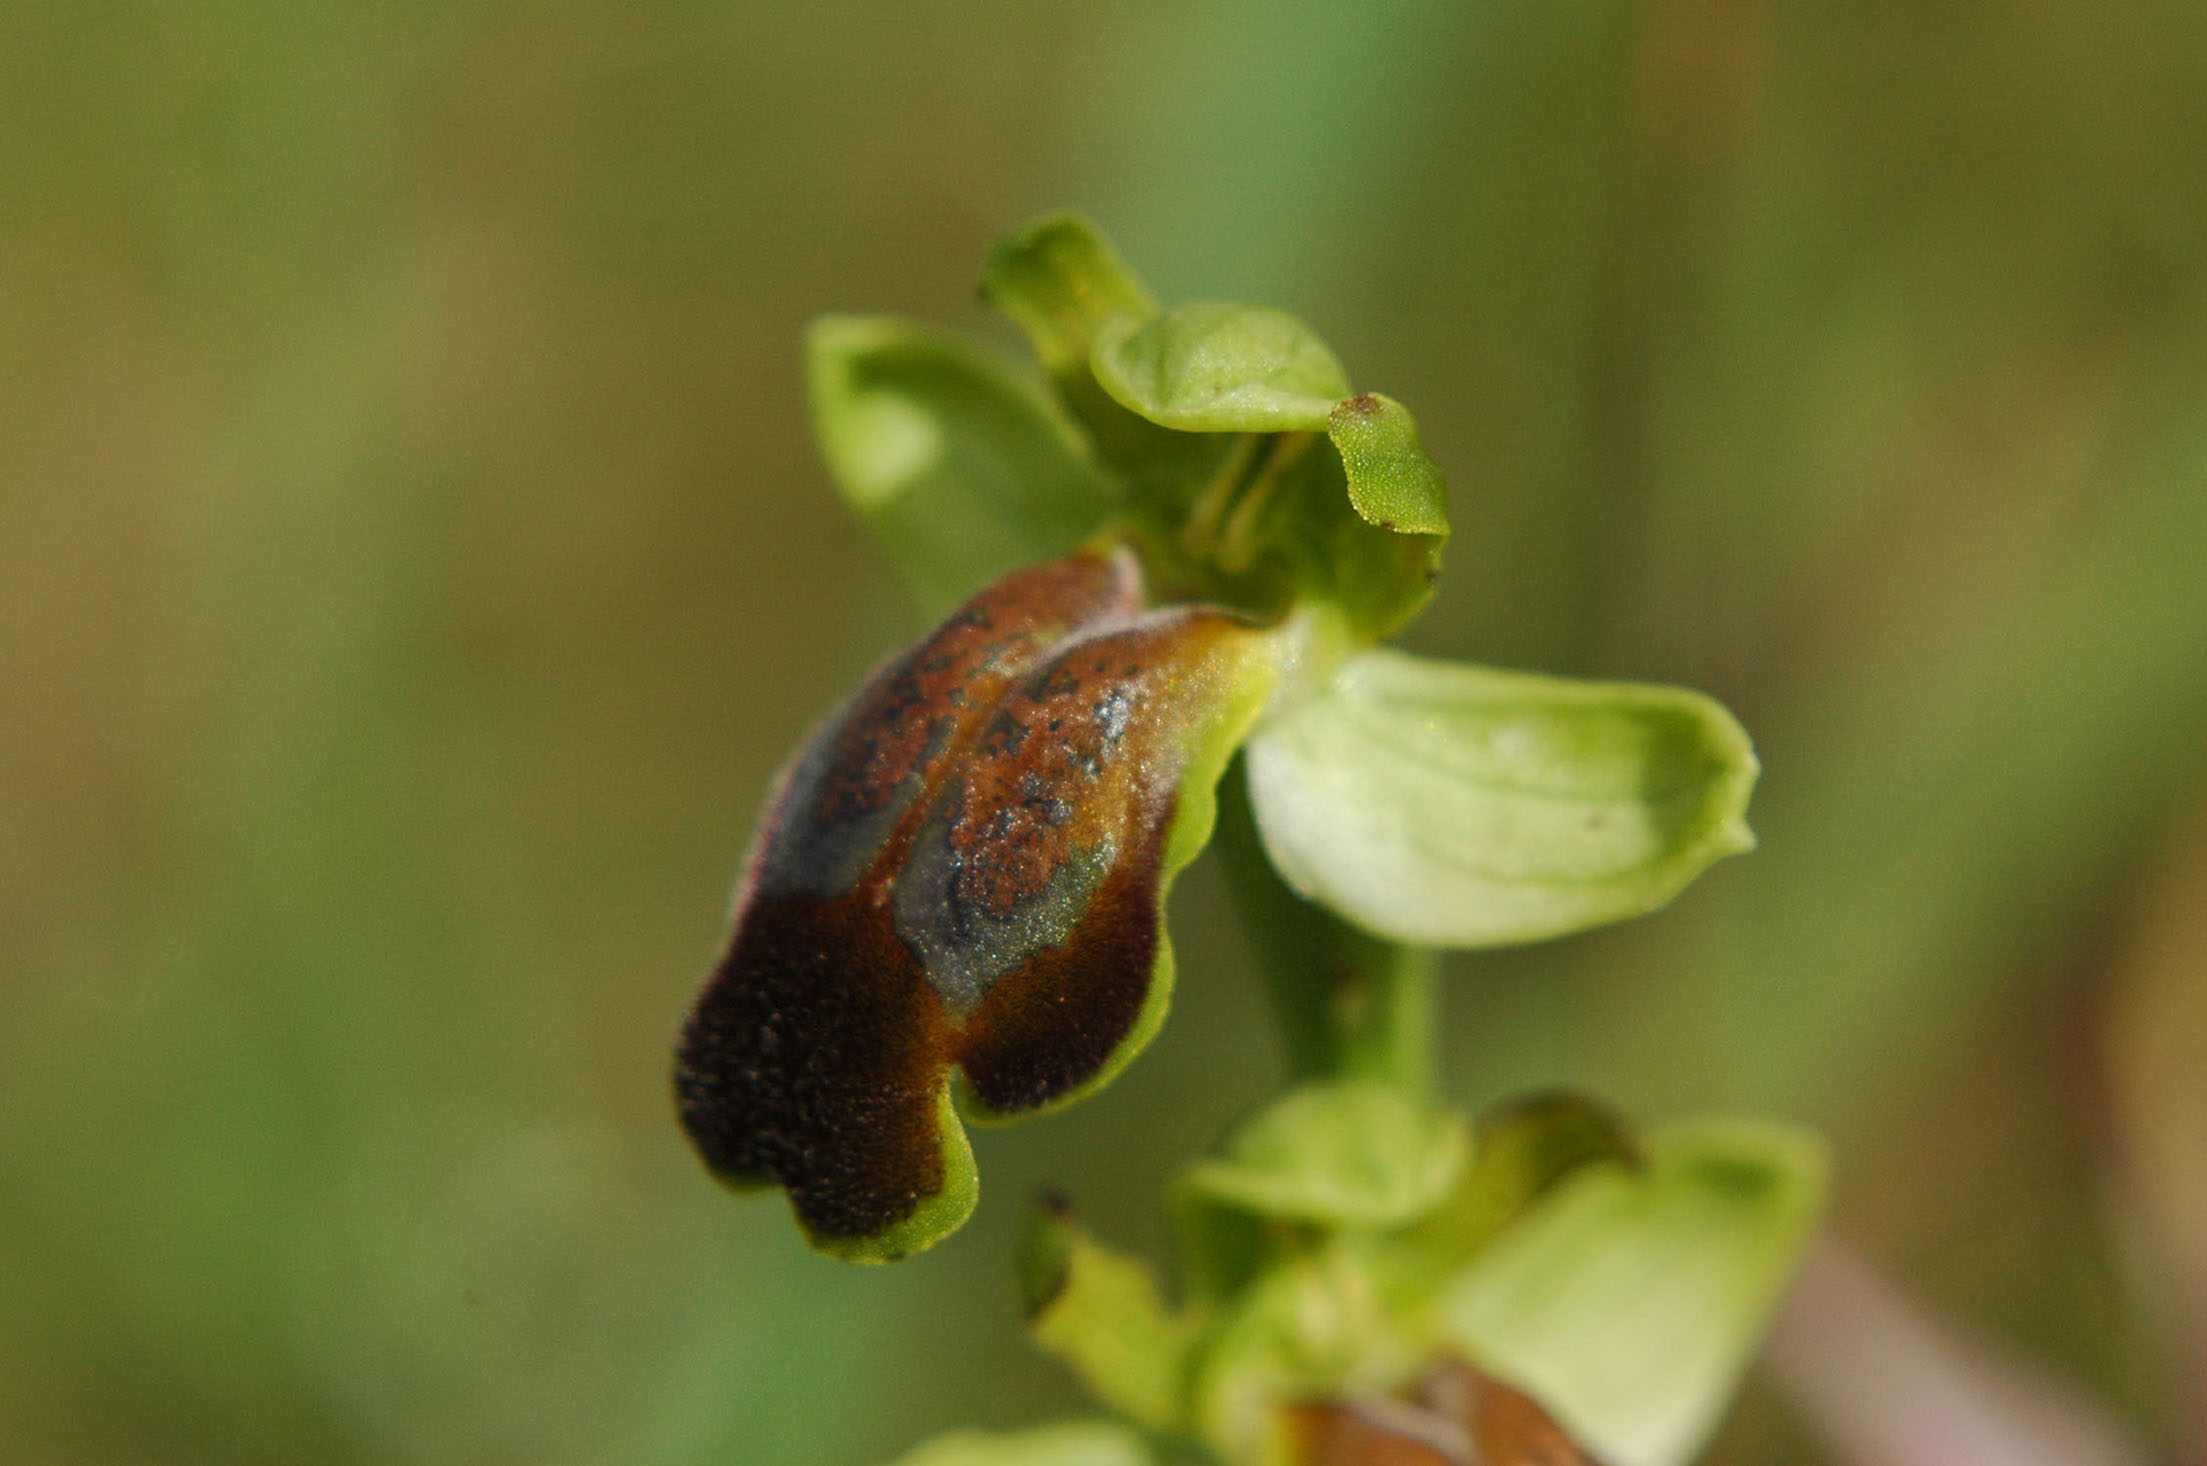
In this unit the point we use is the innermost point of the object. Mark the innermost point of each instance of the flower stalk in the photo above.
(1350, 1005)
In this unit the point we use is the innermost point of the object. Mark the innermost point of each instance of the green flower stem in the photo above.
(1353, 1006)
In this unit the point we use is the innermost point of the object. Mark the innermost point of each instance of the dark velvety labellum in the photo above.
(813, 1058)
(962, 869)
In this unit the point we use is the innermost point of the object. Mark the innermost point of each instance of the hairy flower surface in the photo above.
(965, 869)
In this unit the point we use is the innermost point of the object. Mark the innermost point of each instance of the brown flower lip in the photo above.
(961, 869)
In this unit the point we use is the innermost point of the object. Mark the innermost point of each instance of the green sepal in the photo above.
(1344, 1154)
(1061, 283)
(1629, 1303)
(962, 465)
(1070, 1443)
(1102, 1314)
(1215, 367)
(1458, 806)
(1521, 1149)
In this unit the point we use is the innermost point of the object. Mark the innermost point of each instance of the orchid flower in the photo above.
(1194, 546)
(1165, 574)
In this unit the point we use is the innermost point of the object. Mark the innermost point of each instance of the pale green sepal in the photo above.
(1061, 281)
(1071, 1443)
(933, 1219)
(1450, 805)
(1521, 1148)
(1101, 1313)
(1214, 367)
(1629, 1303)
(1392, 481)
(1351, 1153)
(964, 467)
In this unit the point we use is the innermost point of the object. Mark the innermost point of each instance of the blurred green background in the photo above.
(413, 564)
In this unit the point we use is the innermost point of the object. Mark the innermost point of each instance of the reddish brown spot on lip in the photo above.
(1047, 1028)
(847, 793)
(903, 716)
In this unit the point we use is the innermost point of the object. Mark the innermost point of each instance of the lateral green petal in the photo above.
(1450, 805)
(1216, 367)
(1072, 1443)
(1392, 482)
(962, 465)
(1206, 415)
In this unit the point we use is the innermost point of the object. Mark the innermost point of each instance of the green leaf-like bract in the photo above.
(1450, 805)
(962, 465)
(1629, 1302)
(1073, 1443)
